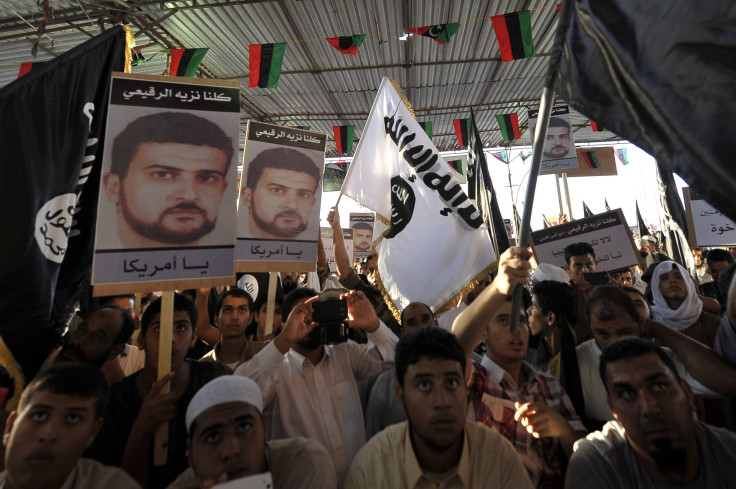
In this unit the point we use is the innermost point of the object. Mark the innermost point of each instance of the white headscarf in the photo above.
(689, 311)
(546, 271)
(223, 389)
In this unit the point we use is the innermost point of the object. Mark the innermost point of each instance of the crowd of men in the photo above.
(618, 385)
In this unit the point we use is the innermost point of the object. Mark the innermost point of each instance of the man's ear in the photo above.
(9, 427)
(111, 182)
(688, 393)
(246, 195)
(609, 401)
(567, 267)
(141, 343)
(551, 318)
(95, 429)
(400, 396)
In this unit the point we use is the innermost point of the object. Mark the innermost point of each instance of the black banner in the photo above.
(51, 132)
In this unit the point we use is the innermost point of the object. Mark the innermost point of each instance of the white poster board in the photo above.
(608, 233)
(708, 226)
(166, 214)
(280, 193)
(559, 149)
(328, 243)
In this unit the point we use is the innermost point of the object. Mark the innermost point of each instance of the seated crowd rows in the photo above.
(619, 385)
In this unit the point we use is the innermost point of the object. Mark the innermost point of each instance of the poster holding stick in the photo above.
(161, 441)
(280, 193)
(273, 278)
(166, 216)
(608, 233)
(707, 225)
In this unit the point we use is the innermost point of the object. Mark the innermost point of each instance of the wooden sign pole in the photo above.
(161, 442)
(272, 281)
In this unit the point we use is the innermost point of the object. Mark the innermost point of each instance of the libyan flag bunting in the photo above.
(514, 34)
(344, 139)
(26, 68)
(264, 65)
(590, 158)
(347, 44)
(509, 126)
(184, 62)
(462, 129)
(441, 33)
(427, 126)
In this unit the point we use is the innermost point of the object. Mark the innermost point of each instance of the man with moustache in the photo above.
(655, 440)
(138, 407)
(362, 236)
(310, 389)
(167, 180)
(557, 144)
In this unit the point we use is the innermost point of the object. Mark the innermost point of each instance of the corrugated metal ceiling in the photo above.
(319, 86)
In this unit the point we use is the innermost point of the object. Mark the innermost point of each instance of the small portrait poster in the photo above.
(558, 155)
(362, 225)
(166, 213)
(334, 175)
(280, 193)
(328, 243)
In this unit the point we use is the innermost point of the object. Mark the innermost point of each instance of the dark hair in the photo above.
(578, 249)
(110, 298)
(415, 304)
(233, 292)
(602, 298)
(526, 299)
(181, 303)
(430, 342)
(632, 347)
(632, 289)
(558, 122)
(126, 329)
(167, 127)
(293, 297)
(717, 254)
(191, 294)
(724, 281)
(561, 299)
(281, 159)
(75, 379)
(363, 225)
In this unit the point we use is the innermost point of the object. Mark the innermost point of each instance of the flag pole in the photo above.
(540, 135)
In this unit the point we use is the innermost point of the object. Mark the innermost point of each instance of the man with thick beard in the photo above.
(167, 179)
(654, 440)
(310, 389)
(279, 191)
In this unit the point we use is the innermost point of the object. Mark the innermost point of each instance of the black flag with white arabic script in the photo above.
(663, 76)
(51, 132)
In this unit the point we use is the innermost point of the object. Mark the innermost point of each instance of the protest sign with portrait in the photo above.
(362, 226)
(559, 148)
(166, 211)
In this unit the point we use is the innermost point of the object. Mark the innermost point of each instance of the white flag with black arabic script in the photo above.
(436, 241)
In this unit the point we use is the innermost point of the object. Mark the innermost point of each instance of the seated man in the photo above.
(227, 441)
(384, 408)
(59, 414)
(310, 389)
(99, 339)
(437, 446)
(232, 315)
(614, 315)
(528, 407)
(580, 259)
(654, 441)
(138, 407)
(716, 261)
(677, 305)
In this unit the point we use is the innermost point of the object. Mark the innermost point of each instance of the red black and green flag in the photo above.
(347, 44)
(462, 129)
(525, 155)
(441, 33)
(456, 165)
(303, 128)
(591, 159)
(621, 153)
(501, 156)
(26, 68)
(184, 62)
(344, 139)
(595, 127)
(138, 59)
(427, 126)
(509, 126)
(514, 34)
(264, 66)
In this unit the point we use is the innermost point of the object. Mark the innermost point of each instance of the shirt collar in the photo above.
(298, 359)
(414, 472)
(497, 372)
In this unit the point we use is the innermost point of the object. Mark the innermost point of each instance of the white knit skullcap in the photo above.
(546, 271)
(223, 389)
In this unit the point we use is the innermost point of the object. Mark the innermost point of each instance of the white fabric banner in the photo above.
(436, 242)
